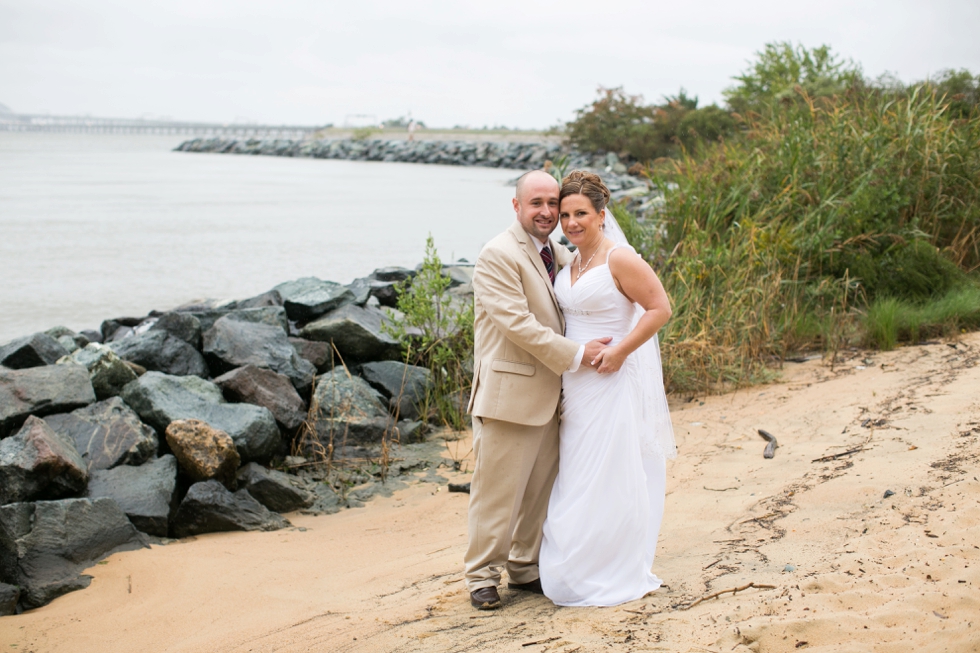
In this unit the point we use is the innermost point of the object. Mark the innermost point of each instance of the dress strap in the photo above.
(618, 246)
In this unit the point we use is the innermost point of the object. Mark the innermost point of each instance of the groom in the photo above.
(519, 356)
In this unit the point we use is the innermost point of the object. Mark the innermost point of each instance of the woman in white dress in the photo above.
(604, 515)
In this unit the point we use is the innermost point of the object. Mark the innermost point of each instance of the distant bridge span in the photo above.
(89, 125)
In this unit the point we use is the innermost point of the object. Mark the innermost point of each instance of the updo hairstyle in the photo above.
(580, 182)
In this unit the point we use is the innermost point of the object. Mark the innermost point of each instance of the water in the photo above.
(99, 226)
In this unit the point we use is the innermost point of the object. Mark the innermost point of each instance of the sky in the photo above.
(514, 63)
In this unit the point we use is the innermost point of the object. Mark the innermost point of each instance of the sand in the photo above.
(850, 570)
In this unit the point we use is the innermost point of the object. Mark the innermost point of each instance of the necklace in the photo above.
(581, 269)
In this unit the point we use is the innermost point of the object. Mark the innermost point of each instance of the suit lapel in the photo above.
(532, 253)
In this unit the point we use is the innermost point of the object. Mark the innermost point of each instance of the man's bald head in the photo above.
(536, 203)
(532, 176)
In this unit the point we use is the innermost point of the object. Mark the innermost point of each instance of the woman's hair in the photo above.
(580, 182)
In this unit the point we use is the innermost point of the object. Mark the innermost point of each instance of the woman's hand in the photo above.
(609, 360)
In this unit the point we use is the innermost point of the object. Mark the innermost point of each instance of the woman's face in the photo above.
(580, 222)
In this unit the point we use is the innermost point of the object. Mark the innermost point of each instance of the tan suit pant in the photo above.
(515, 469)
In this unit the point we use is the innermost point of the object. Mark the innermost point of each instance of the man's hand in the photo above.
(592, 349)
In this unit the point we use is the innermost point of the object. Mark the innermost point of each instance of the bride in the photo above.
(605, 510)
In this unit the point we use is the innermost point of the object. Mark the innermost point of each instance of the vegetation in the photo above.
(437, 333)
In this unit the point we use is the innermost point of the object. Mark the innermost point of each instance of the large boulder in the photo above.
(277, 491)
(356, 333)
(204, 453)
(31, 351)
(9, 597)
(404, 385)
(68, 338)
(38, 463)
(147, 494)
(261, 387)
(45, 545)
(209, 507)
(161, 352)
(119, 327)
(230, 344)
(107, 434)
(107, 372)
(308, 298)
(269, 298)
(349, 410)
(41, 391)
(271, 315)
(184, 326)
(318, 353)
(160, 399)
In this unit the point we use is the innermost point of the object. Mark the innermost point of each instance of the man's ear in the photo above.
(517, 206)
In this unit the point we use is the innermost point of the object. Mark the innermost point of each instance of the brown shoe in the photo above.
(533, 586)
(485, 598)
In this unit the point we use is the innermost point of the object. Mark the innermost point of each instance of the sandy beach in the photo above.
(835, 565)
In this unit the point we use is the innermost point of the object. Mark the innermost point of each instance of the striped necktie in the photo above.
(549, 262)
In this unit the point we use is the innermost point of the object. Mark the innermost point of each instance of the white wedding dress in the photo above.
(604, 515)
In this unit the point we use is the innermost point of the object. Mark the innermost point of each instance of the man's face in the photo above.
(536, 205)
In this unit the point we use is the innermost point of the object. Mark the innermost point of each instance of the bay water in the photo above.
(100, 226)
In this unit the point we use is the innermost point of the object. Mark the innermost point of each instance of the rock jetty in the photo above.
(171, 424)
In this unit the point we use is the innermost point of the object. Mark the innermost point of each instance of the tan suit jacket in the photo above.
(519, 350)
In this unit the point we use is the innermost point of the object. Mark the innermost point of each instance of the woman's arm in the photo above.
(640, 284)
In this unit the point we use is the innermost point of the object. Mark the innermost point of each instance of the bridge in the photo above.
(13, 122)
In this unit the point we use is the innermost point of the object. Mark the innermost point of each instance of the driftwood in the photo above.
(733, 590)
(771, 447)
(837, 455)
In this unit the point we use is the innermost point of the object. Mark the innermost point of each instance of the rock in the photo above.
(277, 491)
(308, 298)
(204, 453)
(184, 326)
(261, 387)
(60, 332)
(91, 336)
(106, 434)
(210, 508)
(68, 343)
(356, 332)
(38, 463)
(118, 328)
(789, 569)
(9, 596)
(271, 315)
(393, 273)
(459, 487)
(160, 399)
(31, 351)
(45, 545)
(349, 410)
(41, 391)
(385, 293)
(361, 289)
(888, 493)
(230, 344)
(404, 385)
(460, 275)
(107, 372)
(318, 353)
(270, 298)
(147, 494)
(161, 352)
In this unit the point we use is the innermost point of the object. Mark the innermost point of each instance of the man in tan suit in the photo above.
(520, 354)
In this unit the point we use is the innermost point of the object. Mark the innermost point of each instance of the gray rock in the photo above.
(160, 399)
(38, 463)
(393, 273)
(107, 434)
(68, 343)
(404, 385)
(270, 298)
(318, 353)
(308, 298)
(361, 289)
(107, 372)
(118, 327)
(349, 410)
(180, 325)
(147, 494)
(91, 335)
(45, 545)
(31, 351)
(60, 332)
(41, 391)
(261, 387)
(9, 596)
(460, 274)
(277, 491)
(271, 315)
(356, 333)
(159, 351)
(209, 507)
(385, 293)
(230, 344)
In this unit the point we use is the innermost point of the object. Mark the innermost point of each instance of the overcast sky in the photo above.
(510, 62)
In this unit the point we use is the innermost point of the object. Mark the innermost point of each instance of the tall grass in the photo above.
(772, 240)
